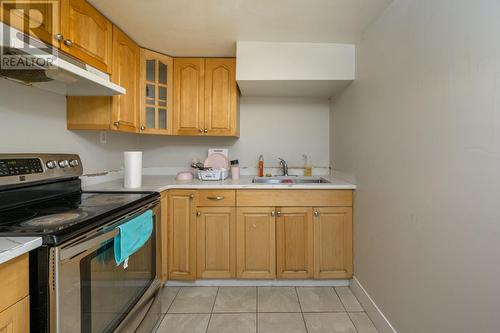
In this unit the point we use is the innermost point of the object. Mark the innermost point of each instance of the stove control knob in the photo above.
(63, 163)
(73, 163)
(51, 164)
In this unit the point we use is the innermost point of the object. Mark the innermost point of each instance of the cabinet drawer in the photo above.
(295, 198)
(13, 281)
(217, 198)
(16, 318)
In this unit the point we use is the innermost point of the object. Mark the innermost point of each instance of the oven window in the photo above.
(108, 292)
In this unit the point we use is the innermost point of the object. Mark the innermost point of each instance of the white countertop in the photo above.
(163, 182)
(11, 247)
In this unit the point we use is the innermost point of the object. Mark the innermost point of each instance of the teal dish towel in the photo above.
(132, 235)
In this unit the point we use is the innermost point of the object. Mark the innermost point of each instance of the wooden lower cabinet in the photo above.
(294, 243)
(16, 318)
(14, 299)
(333, 243)
(210, 235)
(162, 271)
(256, 243)
(216, 242)
(182, 235)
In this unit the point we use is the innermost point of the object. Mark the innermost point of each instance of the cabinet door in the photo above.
(255, 239)
(16, 319)
(182, 235)
(156, 91)
(294, 243)
(88, 35)
(216, 229)
(333, 242)
(189, 96)
(125, 73)
(221, 97)
(39, 19)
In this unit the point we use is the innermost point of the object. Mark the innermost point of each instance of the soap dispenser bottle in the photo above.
(261, 166)
(308, 165)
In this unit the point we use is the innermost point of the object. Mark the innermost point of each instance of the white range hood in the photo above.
(31, 62)
(294, 69)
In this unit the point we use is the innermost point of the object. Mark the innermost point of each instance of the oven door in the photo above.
(92, 293)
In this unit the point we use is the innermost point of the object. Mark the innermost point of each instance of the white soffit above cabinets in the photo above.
(294, 69)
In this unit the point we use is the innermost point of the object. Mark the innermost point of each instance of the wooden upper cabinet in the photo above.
(216, 242)
(126, 74)
(256, 243)
(37, 18)
(294, 243)
(119, 113)
(221, 97)
(86, 34)
(182, 235)
(333, 243)
(189, 95)
(156, 93)
(205, 97)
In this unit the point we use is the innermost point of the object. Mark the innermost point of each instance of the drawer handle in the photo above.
(217, 198)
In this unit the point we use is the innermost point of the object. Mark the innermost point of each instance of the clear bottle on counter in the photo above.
(307, 165)
(235, 170)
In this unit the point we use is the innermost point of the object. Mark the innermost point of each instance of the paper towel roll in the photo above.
(133, 169)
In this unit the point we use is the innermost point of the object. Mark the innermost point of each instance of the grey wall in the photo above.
(33, 120)
(420, 131)
(274, 127)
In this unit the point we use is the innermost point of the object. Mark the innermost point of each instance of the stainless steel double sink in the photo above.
(290, 180)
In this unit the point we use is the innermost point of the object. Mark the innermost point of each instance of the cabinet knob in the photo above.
(59, 37)
(205, 131)
(273, 213)
(316, 213)
(191, 196)
(116, 123)
(198, 213)
(200, 130)
(68, 42)
(143, 127)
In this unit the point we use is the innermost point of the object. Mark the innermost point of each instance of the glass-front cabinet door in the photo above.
(156, 93)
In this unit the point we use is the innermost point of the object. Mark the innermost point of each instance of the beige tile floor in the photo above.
(262, 310)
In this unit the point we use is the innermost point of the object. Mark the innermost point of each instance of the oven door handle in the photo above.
(90, 243)
(85, 246)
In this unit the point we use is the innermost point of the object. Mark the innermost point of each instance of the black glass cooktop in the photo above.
(58, 219)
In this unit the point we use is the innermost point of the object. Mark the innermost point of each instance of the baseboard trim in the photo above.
(259, 283)
(372, 310)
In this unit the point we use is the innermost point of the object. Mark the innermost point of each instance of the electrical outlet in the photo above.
(103, 137)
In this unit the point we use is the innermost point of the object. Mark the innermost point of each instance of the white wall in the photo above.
(33, 120)
(420, 131)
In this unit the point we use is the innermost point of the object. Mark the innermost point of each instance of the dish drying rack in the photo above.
(216, 166)
(211, 174)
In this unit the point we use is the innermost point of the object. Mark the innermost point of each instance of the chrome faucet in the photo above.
(284, 166)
